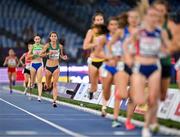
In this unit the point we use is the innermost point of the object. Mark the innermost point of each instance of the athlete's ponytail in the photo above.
(142, 7)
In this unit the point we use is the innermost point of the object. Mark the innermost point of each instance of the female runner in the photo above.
(124, 69)
(27, 66)
(93, 63)
(36, 69)
(108, 68)
(11, 61)
(54, 51)
(148, 41)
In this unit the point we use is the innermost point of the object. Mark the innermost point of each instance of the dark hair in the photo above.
(37, 35)
(114, 18)
(102, 28)
(31, 41)
(52, 32)
(98, 13)
(123, 20)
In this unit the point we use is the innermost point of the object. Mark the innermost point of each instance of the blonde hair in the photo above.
(142, 7)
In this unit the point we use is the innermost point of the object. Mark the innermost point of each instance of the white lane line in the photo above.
(163, 129)
(120, 133)
(78, 115)
(57, 119)
(19, 132)
(60, 128)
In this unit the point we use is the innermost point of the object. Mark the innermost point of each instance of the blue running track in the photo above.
(21, 117)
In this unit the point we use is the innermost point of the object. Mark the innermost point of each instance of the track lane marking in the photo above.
(60, 128)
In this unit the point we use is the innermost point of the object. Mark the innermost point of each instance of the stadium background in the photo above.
(21, 19)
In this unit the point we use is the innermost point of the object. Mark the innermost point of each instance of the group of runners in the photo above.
(132, 51)
(34, 68)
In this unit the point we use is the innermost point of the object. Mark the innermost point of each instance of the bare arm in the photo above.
(43, 52)
(20, 60)
(166, 43)
(99, 53)
(61, 50)
(87, 44)
(64, 57)
(175, 29)
(30, 54)
(5, 62)
(115, 37)
(128, 41)
(128, 55)
(17, 62)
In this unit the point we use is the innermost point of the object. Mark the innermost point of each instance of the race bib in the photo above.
(104, 72)
(136, 68)
(12, 62)
(28, 66)
(120, 66)
(89, 61)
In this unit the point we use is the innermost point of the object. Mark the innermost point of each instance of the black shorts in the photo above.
(27, 71)
(97, 64)
(166, 71)
(127, 69)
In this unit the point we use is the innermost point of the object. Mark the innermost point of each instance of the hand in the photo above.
(64, 57)
(50, 53)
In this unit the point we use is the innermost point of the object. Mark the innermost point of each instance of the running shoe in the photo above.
(116, 123)
(11, 91)
(103, 111)
(90, 95)
(54, 104)
(154, 128)
(129, 125)
(39, 98)
(146, 132)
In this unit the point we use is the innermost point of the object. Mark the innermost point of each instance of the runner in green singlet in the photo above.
(36, 69)
(54, 51)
